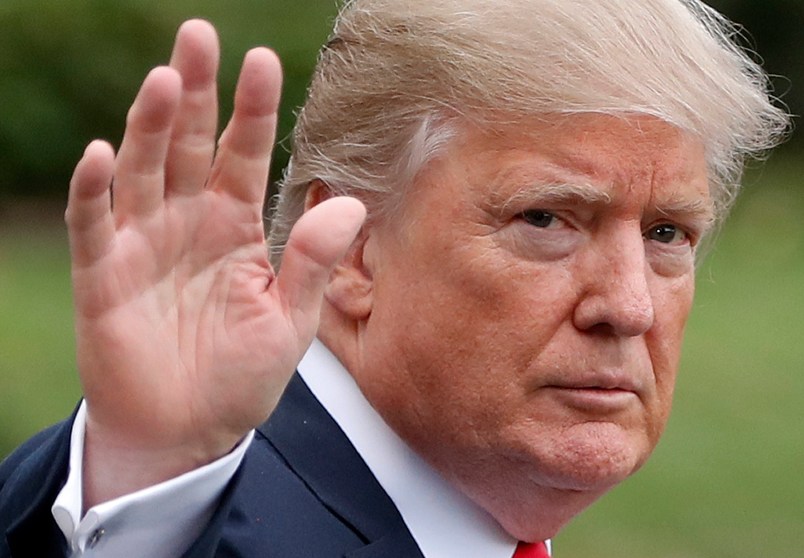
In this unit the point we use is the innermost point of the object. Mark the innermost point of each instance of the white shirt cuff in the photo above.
(159, 521)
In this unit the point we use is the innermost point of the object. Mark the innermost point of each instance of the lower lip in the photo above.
(595, 400)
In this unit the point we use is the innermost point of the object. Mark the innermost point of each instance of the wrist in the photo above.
(116, 464)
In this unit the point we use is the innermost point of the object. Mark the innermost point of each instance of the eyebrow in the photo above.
(691, 209)
(556, 193)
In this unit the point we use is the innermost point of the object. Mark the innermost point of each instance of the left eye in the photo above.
(666, 234)
(538, 218)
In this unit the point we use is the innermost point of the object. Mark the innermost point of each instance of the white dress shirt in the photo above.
(160, 521)
(163, 520)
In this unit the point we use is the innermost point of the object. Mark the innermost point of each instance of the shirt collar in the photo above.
(443, 521)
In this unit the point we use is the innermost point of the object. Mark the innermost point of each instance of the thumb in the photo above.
(318, 241)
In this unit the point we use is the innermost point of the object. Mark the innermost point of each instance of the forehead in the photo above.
(597, 159)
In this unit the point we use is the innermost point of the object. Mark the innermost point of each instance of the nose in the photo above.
(617, 297)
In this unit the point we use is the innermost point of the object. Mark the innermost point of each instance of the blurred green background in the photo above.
(724, 482)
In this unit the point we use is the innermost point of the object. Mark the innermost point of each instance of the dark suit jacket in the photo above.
(302, 491)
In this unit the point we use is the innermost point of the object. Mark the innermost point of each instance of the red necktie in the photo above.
(531, 550)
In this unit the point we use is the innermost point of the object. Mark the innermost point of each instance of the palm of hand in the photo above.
(184, 301)
(185, 337)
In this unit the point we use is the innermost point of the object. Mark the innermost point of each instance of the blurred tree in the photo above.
(70, 69)
(67, 72)
(773, 29)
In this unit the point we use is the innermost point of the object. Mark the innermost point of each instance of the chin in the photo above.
(593, 460)
(585, 456)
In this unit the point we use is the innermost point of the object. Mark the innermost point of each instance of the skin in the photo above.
(520, 322)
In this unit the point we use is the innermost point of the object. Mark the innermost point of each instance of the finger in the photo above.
(140, 167)
(195, 57)
(244, 152)
(317, 243)
(89, 210)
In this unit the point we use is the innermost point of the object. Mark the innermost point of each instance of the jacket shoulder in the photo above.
(29, 448)
(30, 479)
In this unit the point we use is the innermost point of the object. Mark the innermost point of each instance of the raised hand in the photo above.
(185, 337)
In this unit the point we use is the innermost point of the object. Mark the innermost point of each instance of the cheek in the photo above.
(665, 339)
(466, 328)
(479, 302)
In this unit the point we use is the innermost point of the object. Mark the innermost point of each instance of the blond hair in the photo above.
(395, 73)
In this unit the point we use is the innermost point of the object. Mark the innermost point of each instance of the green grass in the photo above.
(724, 482)
(38, 382)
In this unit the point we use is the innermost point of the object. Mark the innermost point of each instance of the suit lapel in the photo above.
(319, 452)
(396, 544)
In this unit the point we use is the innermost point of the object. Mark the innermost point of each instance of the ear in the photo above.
(350, 286)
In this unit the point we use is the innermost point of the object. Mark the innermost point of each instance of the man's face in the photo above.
(529, 304)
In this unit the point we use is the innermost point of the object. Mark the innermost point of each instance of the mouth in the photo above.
(607, 379)
(593, 399)
(598, 394)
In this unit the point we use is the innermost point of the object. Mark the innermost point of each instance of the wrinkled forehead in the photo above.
(630, 139)
(593, 159)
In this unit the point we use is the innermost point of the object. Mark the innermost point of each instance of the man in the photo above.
(498, 340)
